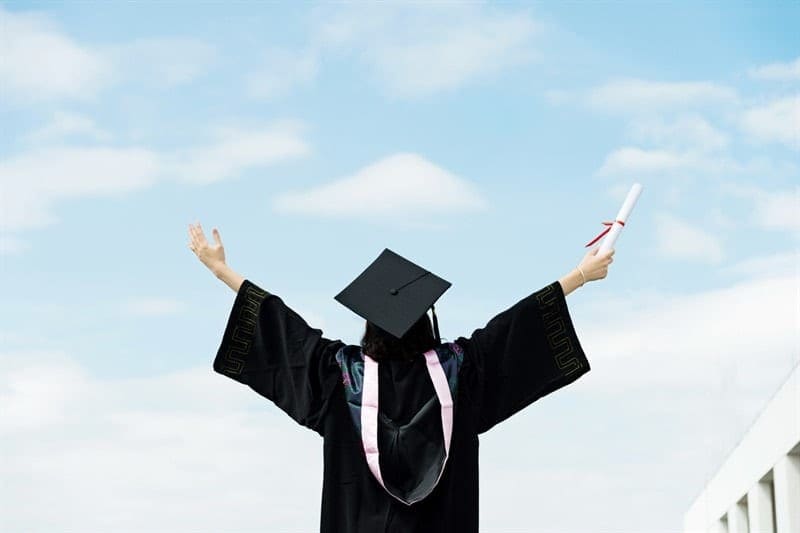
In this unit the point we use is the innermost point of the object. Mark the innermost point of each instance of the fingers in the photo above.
(197, 238)
(217, 238)
(192, 240)
(607, 255)
(200, 235)
(196, 231)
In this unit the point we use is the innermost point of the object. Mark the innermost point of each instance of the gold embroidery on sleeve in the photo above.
(241, 339)
(555, 325)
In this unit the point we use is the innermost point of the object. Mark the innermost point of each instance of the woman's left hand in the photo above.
(211, 255)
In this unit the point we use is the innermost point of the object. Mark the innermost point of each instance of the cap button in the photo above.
(394, 292)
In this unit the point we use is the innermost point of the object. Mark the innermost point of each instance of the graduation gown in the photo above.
(522, 354)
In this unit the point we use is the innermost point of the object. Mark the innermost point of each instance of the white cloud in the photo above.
(679, 239)
(66, 124)
(715, 216)
(35, 392)
(676, 162)
(686, 132)
(160, 61)
(706, 361)
(775, 210)
(559, 96)
(780, 264)
(281, 71)
(652, 97)
(418, 49)
(10, 245)
(778, 210)
(35, 180)
(778, 121)
(789, 71)
(187, 452)
(154, 306)
(235, 149)
(401, 185)
(41, 62)
(750, 324)
(633, 160)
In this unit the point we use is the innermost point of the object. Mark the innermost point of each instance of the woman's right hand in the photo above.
(211, 255)
(594, 265)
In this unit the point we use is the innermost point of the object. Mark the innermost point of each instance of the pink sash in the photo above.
(369, 414)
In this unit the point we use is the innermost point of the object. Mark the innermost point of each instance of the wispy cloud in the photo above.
(281, 70)
(160, 61)
(690, 335)
(400, 185)
(10, 245)
(410, 49)
(778, 210)
(780, 264)
(64, 430)
(64, 125)
(652, 97)
(789, 71)
(41, 62)
(419, 49)
(34, 181)
(777, 121)
(689, 132)
(772, 210)
(632, 160)
(636, 160)
(706, 361)
(682, 240)
(235, 149)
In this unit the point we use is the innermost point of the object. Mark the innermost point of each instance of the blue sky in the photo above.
(484, 141)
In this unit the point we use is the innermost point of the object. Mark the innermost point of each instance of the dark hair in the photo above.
(381, 345)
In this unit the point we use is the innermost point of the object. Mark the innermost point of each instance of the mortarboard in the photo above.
(393, 293)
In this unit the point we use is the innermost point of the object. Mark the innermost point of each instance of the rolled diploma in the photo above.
(627, 206)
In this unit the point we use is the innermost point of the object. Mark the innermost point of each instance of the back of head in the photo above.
(383, 346)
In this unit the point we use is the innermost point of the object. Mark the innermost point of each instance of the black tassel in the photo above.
(435, 326)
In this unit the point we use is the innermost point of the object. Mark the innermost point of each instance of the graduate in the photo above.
(400, 414)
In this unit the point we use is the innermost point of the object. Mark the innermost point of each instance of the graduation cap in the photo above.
(393, 293)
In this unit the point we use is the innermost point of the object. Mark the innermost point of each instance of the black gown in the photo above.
(522, 354)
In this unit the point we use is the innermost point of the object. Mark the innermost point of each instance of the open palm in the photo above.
(211, 255)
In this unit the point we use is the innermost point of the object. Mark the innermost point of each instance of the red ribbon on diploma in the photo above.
(602, 233)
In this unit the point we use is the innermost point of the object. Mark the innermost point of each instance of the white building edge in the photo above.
(757, 489)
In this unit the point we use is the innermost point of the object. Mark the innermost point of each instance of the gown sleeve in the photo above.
(525, 352)
(270, 348)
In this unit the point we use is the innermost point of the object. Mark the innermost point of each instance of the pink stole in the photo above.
(369, 414)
